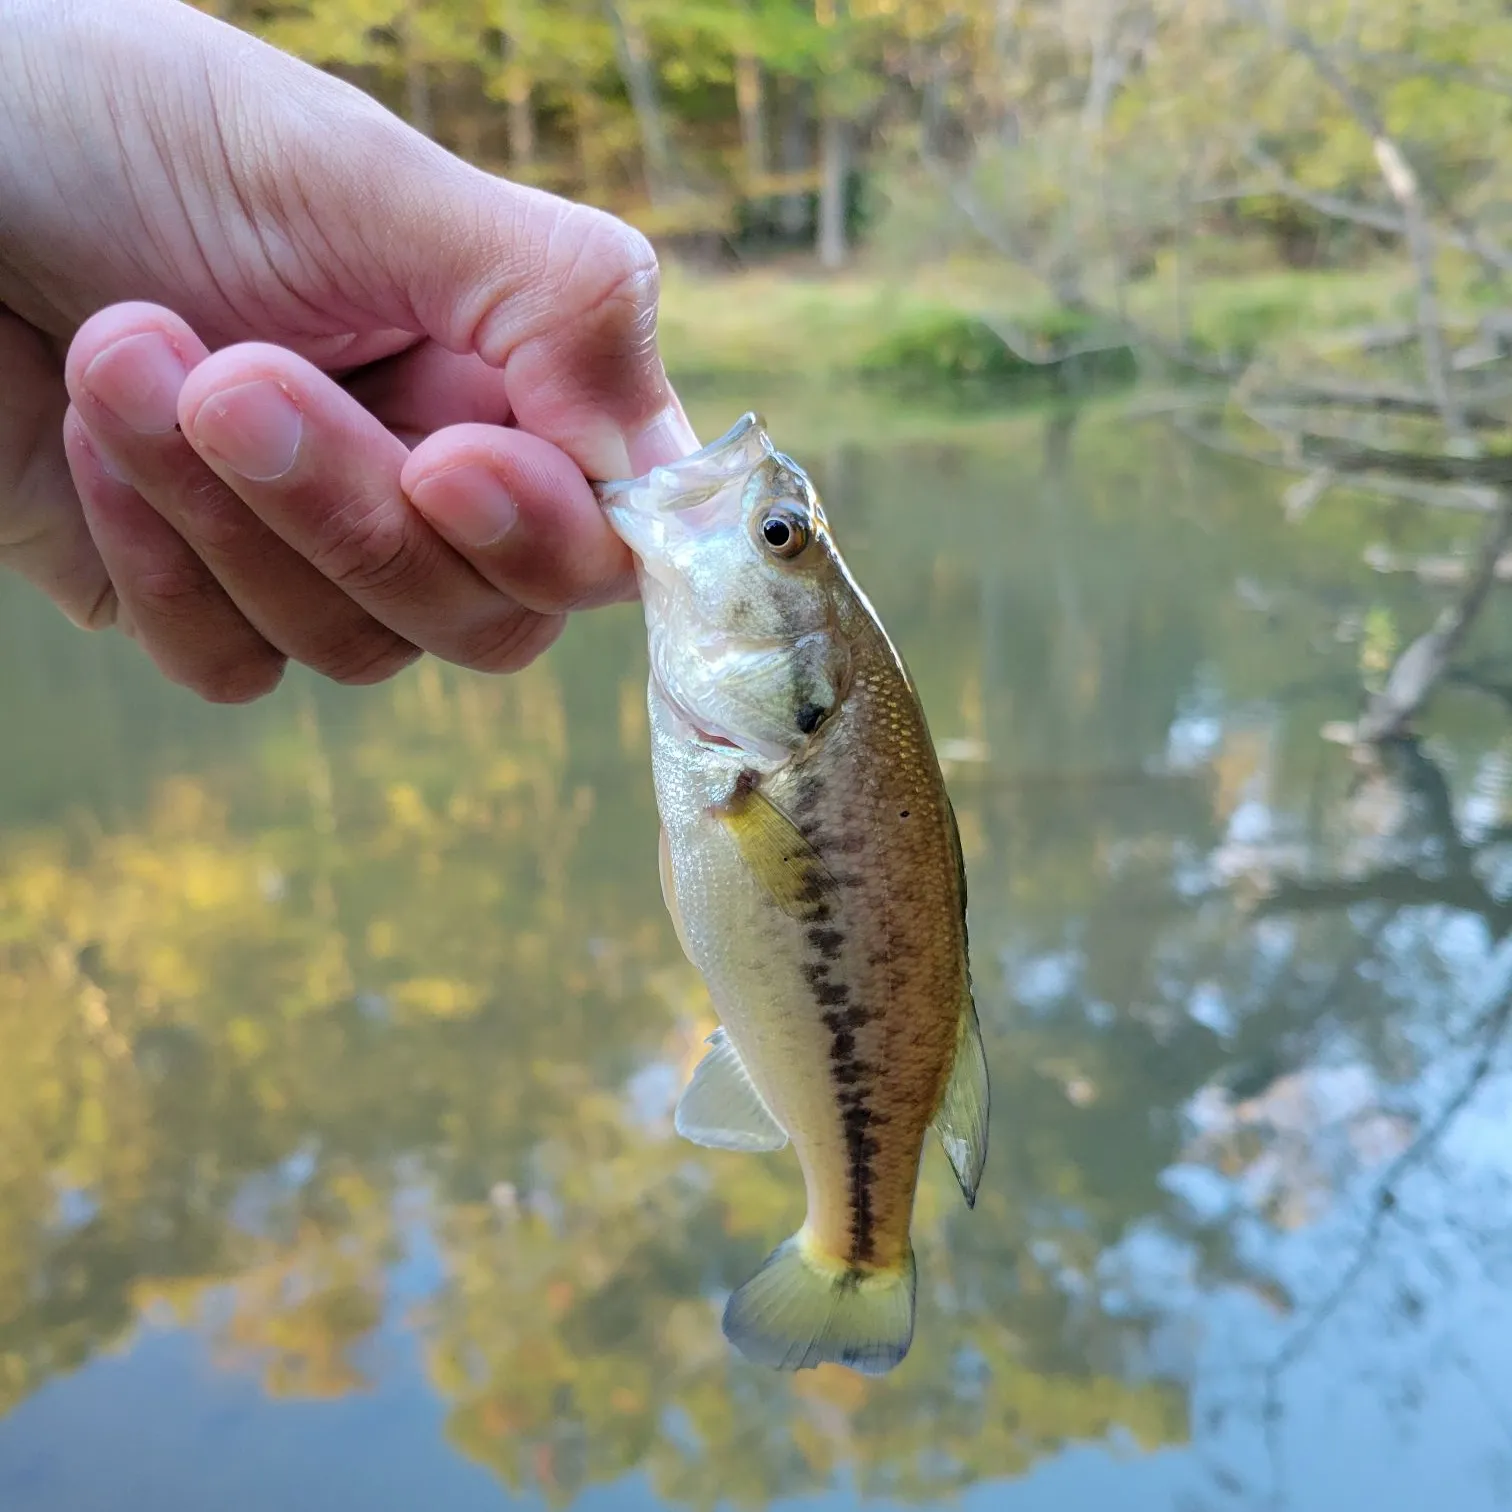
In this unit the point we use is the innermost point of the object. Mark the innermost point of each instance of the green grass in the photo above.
(925, 330)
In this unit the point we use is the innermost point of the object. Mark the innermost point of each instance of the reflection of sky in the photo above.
(157, 1426)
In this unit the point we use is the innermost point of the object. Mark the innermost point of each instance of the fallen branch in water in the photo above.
(1435, 571)
(1418, 669)
(1459, 499)
(1379, 399)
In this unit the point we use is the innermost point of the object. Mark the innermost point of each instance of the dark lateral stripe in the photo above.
(853, 1079)
(861, 1148)
(826, 941)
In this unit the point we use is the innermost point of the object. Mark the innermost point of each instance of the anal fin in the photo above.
(721, 1108)
(961, 1121)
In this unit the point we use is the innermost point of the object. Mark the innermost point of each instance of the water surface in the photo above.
(339, 1037)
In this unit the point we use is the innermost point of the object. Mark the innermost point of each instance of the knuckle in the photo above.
(216, 520)
(372, 551)
(612, 264)
(370, 654)
(239, 682)
(509, 643)
(181, 591)
(597, 283)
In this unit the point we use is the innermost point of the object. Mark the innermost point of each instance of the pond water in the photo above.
(339, 1037)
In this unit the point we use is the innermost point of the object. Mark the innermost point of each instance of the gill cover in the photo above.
(739, 578)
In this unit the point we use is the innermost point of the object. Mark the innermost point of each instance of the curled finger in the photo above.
(176, 610)
(522, 513)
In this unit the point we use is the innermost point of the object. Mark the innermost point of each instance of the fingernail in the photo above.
(253, 428)
(467, 504)
(666, 439)
(138, 381)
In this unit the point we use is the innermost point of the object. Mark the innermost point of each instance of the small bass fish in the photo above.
(812, 868)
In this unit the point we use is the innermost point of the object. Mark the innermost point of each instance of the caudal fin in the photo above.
(801, 1309)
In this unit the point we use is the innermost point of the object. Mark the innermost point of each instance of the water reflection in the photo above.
(294, 994)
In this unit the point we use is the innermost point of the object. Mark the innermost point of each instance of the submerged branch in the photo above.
(1425, 467)
(1435, 571)
(1378, 398)
(1420, 667)
(1322, 476)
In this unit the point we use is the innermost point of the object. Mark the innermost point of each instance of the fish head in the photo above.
(743, 591)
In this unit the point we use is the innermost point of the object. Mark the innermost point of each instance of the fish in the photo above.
(812, 868)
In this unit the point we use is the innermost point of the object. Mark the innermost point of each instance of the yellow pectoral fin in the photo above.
(786, 865)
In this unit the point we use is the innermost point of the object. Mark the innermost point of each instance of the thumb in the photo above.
(560, 297)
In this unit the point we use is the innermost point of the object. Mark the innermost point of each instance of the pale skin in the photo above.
(282, 380)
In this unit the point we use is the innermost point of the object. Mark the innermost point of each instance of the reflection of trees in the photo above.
(418, 948)
(1406, 855)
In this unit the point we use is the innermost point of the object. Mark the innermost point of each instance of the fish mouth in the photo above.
(682, 486)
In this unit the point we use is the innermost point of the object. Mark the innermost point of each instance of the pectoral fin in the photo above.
(721, 1108)
(961, 1121)
(786, 865)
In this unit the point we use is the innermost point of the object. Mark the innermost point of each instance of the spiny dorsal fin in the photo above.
(721, 1108)
(781, 859)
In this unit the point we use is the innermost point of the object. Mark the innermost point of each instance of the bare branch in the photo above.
(1030, 348)
(1459, 500)
(1420, 667)
(1373, 217)
(1301, 498)
(1363, 109)
(1375, 397)
(1428, 467)
(1402, 180)
(1435, 571)
(1430, 68)
(1071, 297)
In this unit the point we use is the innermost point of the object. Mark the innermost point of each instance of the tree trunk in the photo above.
(793, 149)
(468, 135)
(834, 155)
(417, 91)
(585, 119)
(522, 139)
(640, 85)
(748, 101)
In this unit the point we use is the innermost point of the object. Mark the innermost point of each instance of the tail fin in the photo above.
(802, 1309)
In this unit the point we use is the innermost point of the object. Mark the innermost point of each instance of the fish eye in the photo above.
(785, 533)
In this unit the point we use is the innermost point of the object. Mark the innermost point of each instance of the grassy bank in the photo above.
(933, 327)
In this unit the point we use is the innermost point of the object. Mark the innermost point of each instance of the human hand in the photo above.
(234, 293)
